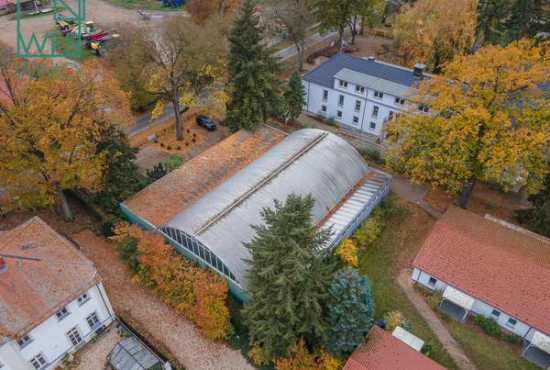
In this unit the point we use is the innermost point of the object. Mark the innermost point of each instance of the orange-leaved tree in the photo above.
(203, 10)
(433, 31)
(51, 117)
(488, 120)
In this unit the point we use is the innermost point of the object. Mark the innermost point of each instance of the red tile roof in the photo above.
(382, 351)
(498, 263)
(51, 274)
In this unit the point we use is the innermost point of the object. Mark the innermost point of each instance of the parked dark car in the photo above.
(206, 122)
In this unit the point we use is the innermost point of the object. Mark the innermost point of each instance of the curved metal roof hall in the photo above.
(308, 161)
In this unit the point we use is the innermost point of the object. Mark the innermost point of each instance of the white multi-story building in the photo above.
(486, 266)
(360, 93)
(51, 298)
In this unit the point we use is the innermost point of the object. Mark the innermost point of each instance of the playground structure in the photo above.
(92, 39)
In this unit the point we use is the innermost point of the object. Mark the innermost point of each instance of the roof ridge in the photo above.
(23, 227)
(314, 142)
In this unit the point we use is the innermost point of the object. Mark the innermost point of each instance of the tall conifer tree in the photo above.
(254, 87)
(288, 278)
(294, 97)
(350, 312)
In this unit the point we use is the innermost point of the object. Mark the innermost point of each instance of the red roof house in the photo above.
(383, 351)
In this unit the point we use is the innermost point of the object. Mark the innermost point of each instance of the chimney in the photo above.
(3, 265)
(418, 70)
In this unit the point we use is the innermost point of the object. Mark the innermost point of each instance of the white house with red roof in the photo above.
(51, 298)
(486, 266)
(385, 351)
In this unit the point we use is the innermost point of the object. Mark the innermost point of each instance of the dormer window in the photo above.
(378, 95)
(360, 89)
(83, 299)
(423, 108)
(343, 84)
(24, 341)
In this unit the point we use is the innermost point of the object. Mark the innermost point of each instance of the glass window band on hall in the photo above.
(198, 249)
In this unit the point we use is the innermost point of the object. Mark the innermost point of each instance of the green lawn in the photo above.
(486, 352)
(380, 262)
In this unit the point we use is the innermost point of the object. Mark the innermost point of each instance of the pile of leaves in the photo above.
(194, 293)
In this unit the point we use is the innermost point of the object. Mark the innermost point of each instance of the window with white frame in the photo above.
(61, 314)
(39, 361)
(432, 281)
(343, 84)
(399, 101)
(339, 114)
(341, 100)
(375, 111)
(325, 95)
(93, 320)
(83, 299)
(391, 116)
(355, 119)
(360, 89)
(74, 336)
(511, 323)
(324, 108)
(24, 341)
(378, 95)
(423, 108)
(373, 125)
(495, 313)
(357, 105)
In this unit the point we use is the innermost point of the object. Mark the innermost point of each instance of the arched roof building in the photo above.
(214, 226)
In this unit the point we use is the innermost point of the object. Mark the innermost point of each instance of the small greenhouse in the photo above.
(131, 354)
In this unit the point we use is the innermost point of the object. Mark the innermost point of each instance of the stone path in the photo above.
(452, 347)
(413, 193)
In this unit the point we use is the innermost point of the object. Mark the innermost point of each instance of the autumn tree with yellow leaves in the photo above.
(488, 120)
(51, 118)
(433, 31)
(176, 62)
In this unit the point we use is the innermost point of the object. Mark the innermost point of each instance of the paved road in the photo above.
(290, 51)
(144, 120)
(451, 345)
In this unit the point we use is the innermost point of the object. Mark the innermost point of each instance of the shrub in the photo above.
(489, 325)
(188, 131)
(512, 339)
(194, 134)
(347, 251)
(428, 349)
(155, 173)
(368, 232)
(162, 145)
(178, 147)
(331, 121)
(186, 143)
(193, 140)
(173, 162)
(435, 298)
(479, 320)
(394, 319)
(372, 154)
(169, 147)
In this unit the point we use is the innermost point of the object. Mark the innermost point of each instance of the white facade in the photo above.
(519, 328)
(51, 341)
(375, 107)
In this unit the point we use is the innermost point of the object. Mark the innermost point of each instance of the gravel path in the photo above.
(452, 347)
(179, 335)
(94, 355)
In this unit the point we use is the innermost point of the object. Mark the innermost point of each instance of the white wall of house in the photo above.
(363, 119)
(480, 308)
(50, 338)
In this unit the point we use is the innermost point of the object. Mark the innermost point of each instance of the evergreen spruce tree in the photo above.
(294, 97)
(254, 87)
(350, 311)
(288, 280)
(121, 176)
(537, 218)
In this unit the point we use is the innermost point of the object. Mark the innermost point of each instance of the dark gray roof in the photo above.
(324, 74)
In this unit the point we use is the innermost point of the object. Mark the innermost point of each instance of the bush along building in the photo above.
(486, 266)
(207, 207)
(51, 298)
(360, 93)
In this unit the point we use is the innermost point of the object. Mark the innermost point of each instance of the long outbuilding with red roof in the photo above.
(486, 266)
